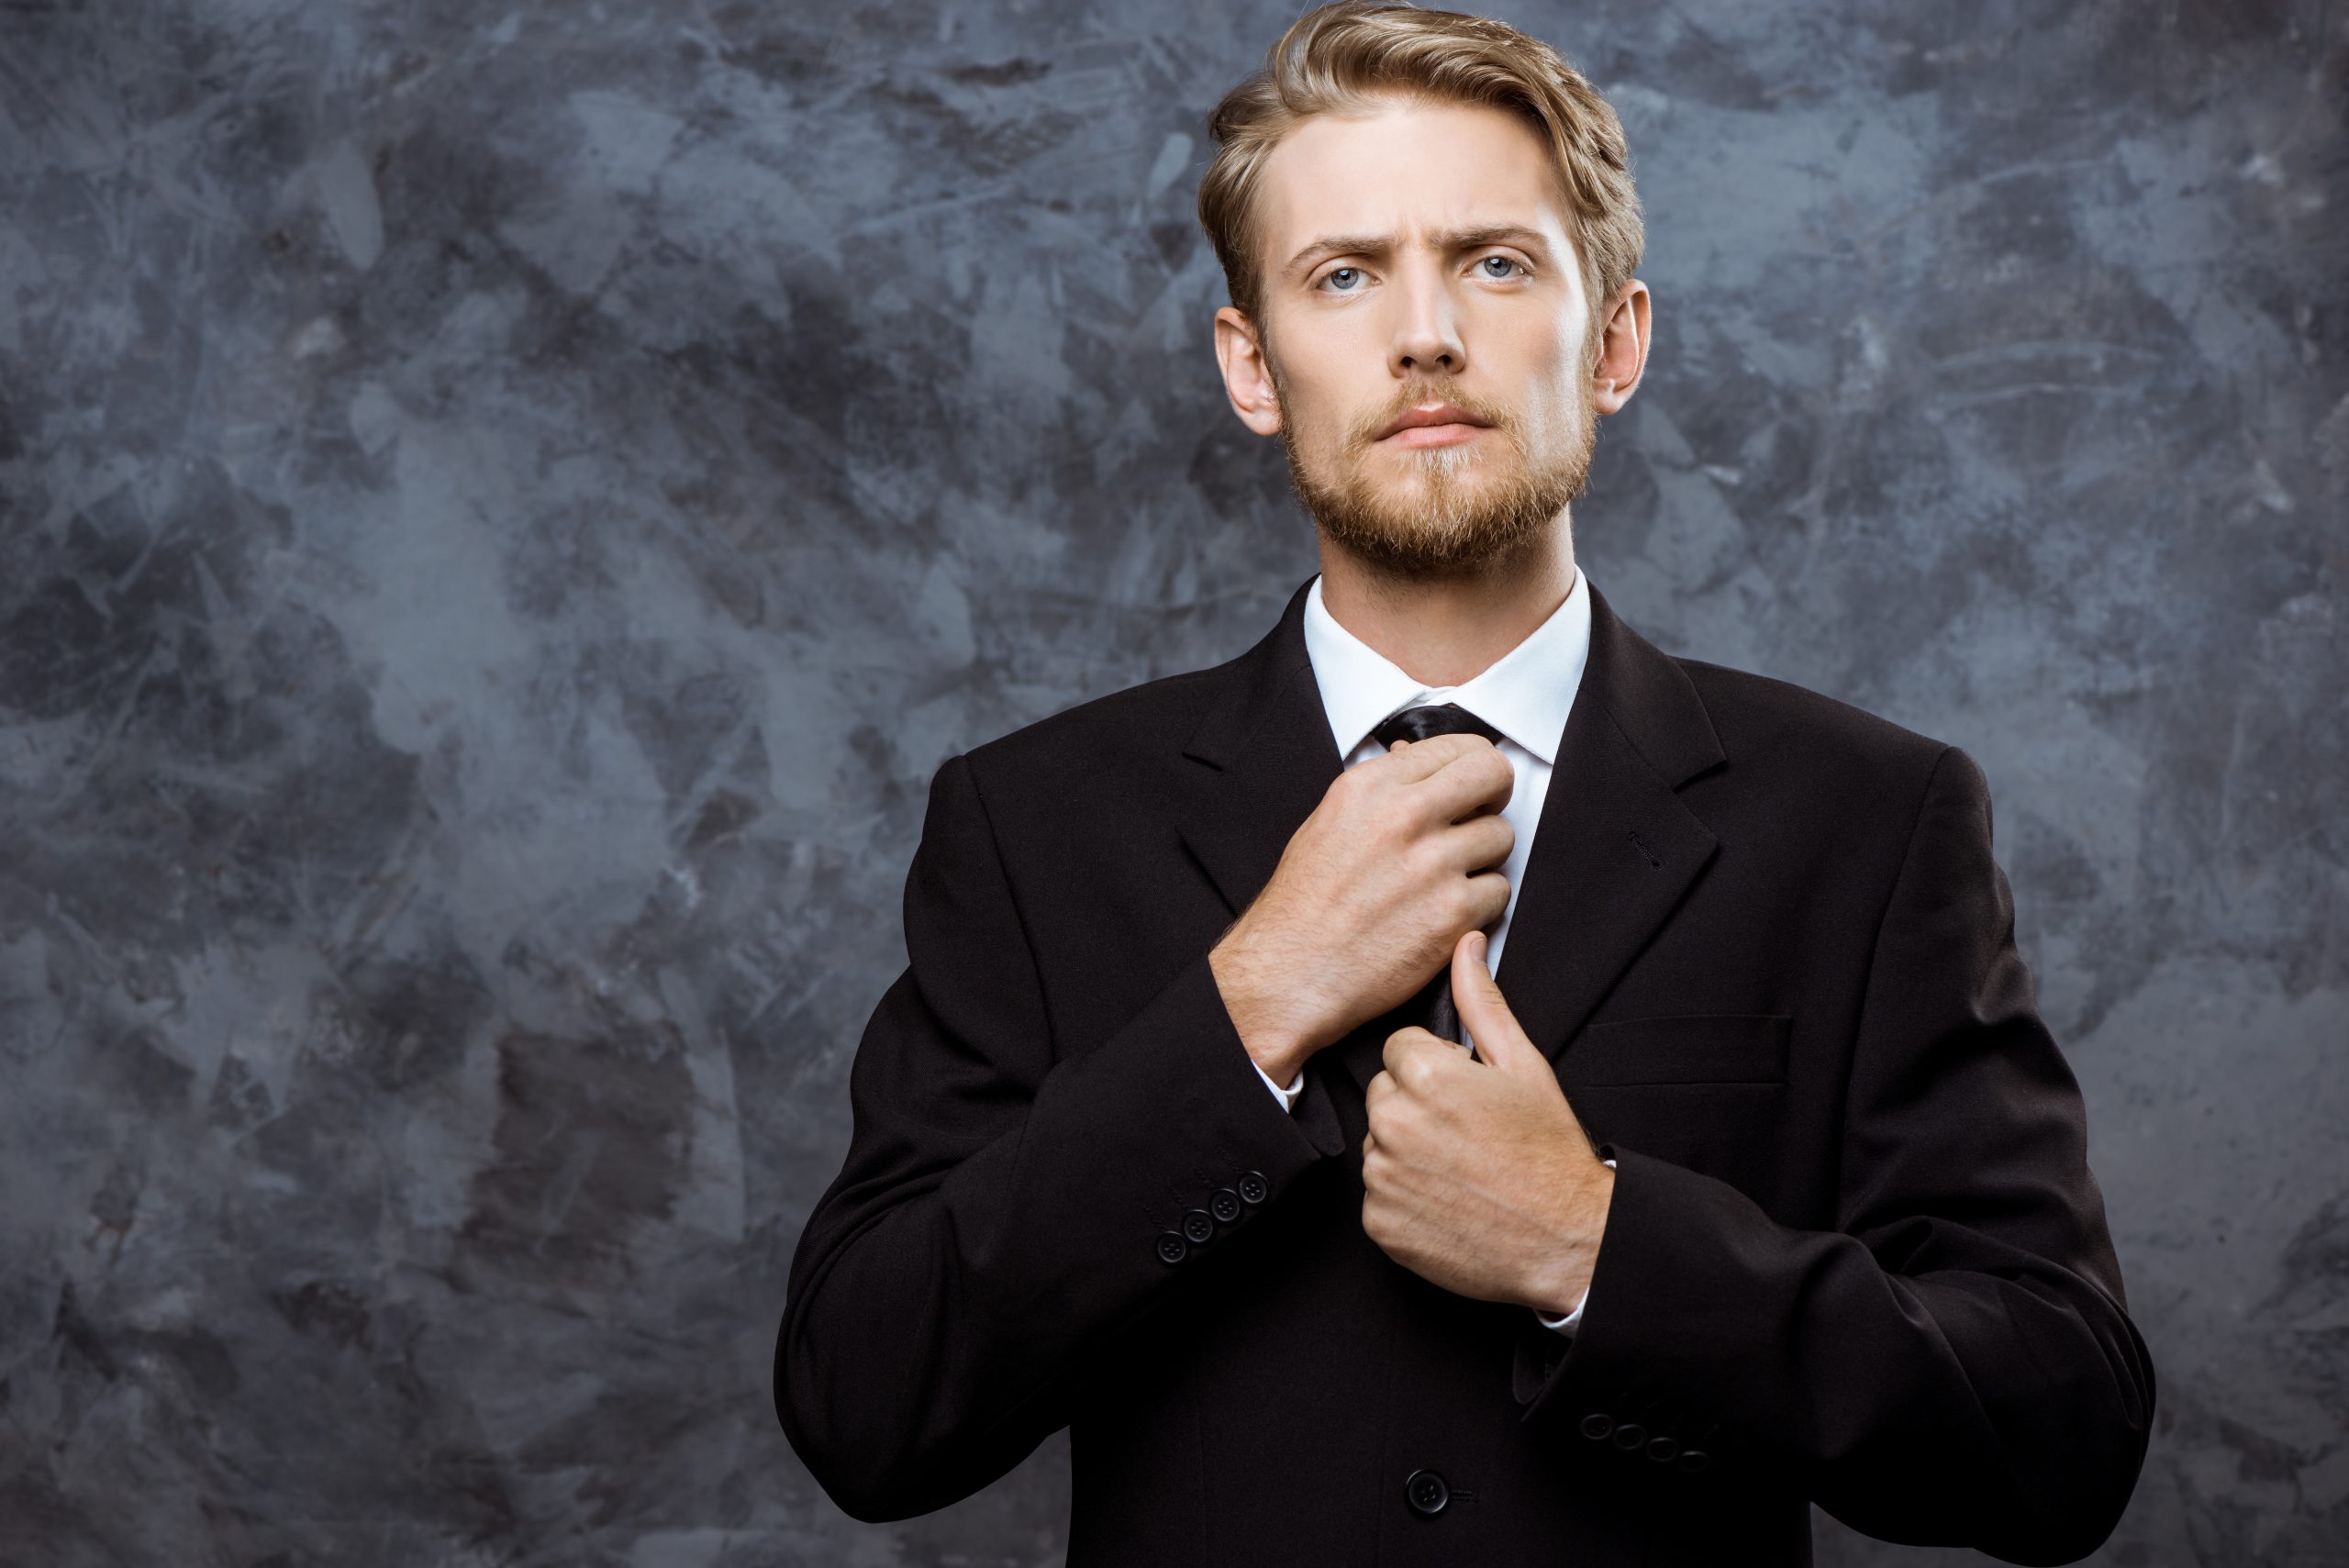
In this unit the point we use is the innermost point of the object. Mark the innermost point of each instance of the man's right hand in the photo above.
(1370, 895)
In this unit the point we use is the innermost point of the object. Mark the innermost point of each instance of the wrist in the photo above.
(1274, 1040)
(1558, 1286)
(1560, 1279)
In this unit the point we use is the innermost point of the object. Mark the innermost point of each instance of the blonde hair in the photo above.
(1354, 58)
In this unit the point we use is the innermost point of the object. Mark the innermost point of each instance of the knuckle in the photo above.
(1492, 888)
(1353, 790)
(1408, 849)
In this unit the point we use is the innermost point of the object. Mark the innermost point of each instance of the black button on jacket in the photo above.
(1856, 1254)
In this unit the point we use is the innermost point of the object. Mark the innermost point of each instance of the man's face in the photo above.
(1451, 280)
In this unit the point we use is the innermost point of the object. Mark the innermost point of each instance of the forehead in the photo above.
(1407, 170)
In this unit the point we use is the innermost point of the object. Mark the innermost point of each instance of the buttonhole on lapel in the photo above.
(1642, 844)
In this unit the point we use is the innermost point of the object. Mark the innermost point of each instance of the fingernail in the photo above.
(1480, 947)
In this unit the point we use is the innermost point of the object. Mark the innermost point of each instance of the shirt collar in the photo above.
(1525, 694)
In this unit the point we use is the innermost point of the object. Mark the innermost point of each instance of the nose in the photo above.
(1427, 337)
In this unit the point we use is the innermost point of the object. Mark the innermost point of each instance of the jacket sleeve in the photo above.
(1954, 1364)
(1009, 1203)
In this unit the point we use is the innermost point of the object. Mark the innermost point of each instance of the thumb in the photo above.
(1484, 1012)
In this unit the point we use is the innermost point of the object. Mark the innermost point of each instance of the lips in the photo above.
(1434, 413)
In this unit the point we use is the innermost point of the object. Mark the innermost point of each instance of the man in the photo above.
(1197, 1123)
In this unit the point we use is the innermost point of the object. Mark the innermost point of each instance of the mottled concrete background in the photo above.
(505, 508)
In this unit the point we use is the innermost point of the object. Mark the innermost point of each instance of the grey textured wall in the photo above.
(506, 508)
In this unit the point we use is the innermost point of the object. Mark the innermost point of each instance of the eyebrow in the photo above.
(1456, 239)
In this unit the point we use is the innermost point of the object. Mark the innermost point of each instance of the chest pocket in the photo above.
(1704, 1090)
(1683, 1048)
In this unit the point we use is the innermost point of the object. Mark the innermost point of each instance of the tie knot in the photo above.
(1419, 723)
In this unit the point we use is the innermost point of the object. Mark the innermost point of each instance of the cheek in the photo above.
(1550, 418)
(1332, 426)
(1327, 393)
(1539, 360)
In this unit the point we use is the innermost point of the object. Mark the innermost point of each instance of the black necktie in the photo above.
(1431, 1009)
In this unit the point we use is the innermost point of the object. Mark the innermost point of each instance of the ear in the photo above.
(1623, 354)
(1247, 374)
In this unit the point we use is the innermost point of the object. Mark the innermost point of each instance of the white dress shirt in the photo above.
(1525, 694)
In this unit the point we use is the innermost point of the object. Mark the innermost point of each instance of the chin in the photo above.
(1448, 491)
(1457, 457)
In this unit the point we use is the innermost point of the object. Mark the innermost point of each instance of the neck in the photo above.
(1443, 631)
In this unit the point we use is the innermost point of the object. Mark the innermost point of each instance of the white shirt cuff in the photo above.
(1564, 1323)
(1288, 1096)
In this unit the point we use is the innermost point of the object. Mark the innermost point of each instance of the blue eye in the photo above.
(1509, 261)
(1335, 271)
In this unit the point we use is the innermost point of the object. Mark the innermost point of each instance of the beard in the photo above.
(1478, 505)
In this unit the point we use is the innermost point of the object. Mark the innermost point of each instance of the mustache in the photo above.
(1367, 432)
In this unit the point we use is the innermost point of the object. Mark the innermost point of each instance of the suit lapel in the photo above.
(1616, 850)
(1614, 853)
(1267, 736)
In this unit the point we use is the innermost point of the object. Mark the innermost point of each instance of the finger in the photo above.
(1403, 1044)
(1474, 778)
(1501, 1040)
(1413, 761)
(1480, 841)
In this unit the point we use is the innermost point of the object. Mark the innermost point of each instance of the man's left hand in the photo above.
(1477, 1173)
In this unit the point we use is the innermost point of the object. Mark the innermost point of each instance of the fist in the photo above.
(1477, 1173)
(1370, 895)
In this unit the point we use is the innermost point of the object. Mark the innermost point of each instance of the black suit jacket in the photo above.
(1854, 1255)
